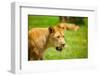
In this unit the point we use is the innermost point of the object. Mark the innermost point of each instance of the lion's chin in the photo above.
(58, 48)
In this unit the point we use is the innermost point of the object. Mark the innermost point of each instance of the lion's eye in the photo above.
(62, 27)
(58, 36)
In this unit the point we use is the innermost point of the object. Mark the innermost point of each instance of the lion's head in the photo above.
(56, 38)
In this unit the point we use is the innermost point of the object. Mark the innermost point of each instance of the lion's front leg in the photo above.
(38, 56)
(41, 56)
(35, 54)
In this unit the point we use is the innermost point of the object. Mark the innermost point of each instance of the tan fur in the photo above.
(68, 26)
(39, 39)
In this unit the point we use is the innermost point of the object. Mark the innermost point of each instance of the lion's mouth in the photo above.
(59, 48)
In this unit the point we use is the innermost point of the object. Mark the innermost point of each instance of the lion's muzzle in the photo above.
(60, 47)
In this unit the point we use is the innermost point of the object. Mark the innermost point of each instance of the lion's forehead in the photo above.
(59, 33)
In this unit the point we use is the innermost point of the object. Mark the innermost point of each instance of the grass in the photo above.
(77, 41)
(41, 21)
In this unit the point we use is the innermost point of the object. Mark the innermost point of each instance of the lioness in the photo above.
(68, 26)
(39, 39)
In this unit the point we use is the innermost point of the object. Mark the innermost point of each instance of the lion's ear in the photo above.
(51, 29)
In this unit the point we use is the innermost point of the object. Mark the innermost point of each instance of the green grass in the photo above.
(42, 21)
(77, 41)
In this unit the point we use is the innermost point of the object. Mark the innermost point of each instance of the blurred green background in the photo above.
(77, 41)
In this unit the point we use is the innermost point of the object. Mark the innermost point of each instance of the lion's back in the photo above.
(37, 37)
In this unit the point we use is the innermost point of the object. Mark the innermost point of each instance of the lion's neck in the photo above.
(48, 43)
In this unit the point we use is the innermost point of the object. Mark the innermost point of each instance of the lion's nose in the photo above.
(63, 45)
